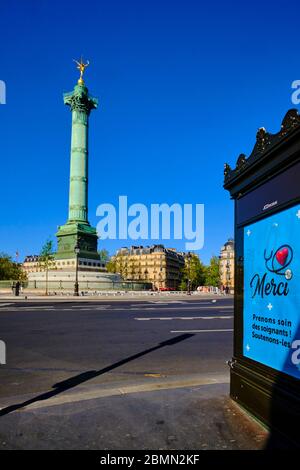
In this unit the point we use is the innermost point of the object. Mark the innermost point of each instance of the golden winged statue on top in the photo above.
(81, 66)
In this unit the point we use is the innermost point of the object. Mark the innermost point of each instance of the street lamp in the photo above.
(76, 286)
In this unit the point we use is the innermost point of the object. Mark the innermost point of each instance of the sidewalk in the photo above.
(161, 415)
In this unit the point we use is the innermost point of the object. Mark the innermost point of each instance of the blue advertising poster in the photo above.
(272, 291)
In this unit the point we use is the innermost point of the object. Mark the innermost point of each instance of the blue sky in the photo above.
(182, 88)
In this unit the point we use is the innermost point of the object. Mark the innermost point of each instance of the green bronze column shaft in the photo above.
(78, 194)
(77, 231)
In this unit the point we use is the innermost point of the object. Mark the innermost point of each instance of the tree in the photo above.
(9, 270)
(111, 265)
(193, 271)
(116, 264)
(46, 259)
(213, 272)
(104, 255)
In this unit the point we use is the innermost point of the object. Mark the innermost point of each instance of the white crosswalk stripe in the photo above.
(203, 331)
(219, 317)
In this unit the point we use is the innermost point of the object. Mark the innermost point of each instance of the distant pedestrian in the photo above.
(17, 288)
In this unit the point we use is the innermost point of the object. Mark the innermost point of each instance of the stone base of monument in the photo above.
(59, 281)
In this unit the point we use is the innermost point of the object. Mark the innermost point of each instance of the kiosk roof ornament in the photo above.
(81, 66)
(265, 145)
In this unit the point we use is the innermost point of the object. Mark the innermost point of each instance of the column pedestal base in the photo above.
(76, 233)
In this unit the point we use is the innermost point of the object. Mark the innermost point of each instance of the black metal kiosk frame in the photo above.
(264, 184)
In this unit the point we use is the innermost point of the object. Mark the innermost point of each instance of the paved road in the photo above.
(49, 343)
(79, 360)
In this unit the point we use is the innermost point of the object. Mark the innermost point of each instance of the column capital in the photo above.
(80, 100)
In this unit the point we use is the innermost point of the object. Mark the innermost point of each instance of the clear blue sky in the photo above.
(182, 85)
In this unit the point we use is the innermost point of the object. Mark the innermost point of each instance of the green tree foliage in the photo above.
(46, 259)
(104, 255)
(9, 270)
(116, 264)
(213, 272)
(111, 266)
(194, 270)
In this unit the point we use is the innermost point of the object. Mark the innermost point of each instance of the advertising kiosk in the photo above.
(265, 368)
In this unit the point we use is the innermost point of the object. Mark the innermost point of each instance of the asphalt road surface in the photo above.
(69, 366)
(122, 341)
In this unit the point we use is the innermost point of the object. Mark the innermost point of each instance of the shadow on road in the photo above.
(88, 375)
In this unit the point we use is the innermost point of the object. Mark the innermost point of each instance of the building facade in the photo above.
(156, 264)
(31, 265)
(227, 265)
